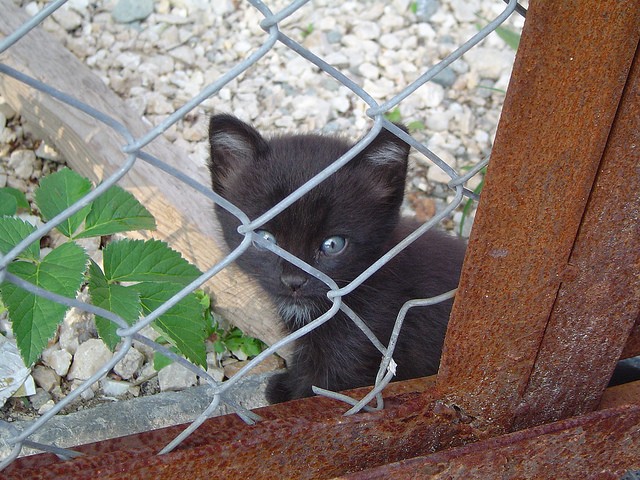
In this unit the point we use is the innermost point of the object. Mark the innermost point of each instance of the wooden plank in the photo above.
(569, 74)
(184, 217)
(597, 307)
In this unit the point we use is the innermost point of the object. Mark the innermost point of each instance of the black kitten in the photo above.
(340, 227)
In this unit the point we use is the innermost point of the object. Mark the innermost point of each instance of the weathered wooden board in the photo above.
(184, 217)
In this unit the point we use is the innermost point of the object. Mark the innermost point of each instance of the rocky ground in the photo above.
(159, 54)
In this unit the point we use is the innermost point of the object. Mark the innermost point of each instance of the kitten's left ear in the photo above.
(386, 158)
(235, 146)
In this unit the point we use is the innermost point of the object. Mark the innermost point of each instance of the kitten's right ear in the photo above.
(234, 146)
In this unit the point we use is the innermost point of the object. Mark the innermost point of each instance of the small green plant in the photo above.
(394, 115)
(308, 31)
(137, 277)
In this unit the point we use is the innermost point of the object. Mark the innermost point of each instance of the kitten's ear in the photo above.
(386, 158)
(234, 146)
(387, 150)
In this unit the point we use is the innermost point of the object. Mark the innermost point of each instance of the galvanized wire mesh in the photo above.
(134, 148)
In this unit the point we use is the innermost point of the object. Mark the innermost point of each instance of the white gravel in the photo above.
(160, 61)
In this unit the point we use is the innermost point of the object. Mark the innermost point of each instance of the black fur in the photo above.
(361, 203)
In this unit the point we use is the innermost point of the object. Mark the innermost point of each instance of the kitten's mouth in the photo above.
(298, 310)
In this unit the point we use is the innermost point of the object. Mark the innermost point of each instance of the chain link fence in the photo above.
(134, 147)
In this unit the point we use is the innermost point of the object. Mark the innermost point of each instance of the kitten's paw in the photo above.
(277, 389)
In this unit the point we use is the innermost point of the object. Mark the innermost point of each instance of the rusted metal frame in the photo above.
(632, 348)
(296, 440)
(603, 444)
(307, 438)
(598, 304)
(302, 439)
(569, 74)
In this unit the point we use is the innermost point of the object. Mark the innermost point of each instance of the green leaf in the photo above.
(59, 191)
(13, 231)
(160, 361)
(20, 197)
(416, 126)
(123, 301)
(8, 204)
(146, 261)
(183, 324)
(394, 115)
(35, 319)
(510, 37)
(116, 211)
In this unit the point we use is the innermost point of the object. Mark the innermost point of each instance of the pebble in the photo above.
(88, 359)
(68, 19)
(127, 11)
(59, 360)
(130, 364)
(45, 377)
(22, 162)
(115, 388)
(176, 377)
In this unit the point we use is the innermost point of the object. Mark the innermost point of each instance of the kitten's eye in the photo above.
(333, 245)
(268, 236)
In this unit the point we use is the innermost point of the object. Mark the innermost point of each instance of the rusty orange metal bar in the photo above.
(597, 307)
(569, 75)
(310, 438)
(632, 348)
(600, 445)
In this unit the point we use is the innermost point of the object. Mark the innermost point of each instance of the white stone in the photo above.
(437, 121)
(465, 10)
(22, 163)
(47, 152)
(32, 8)
(88, 359)
(6, 110)
(45, 407)
(175, 377)
(67, 19)
(436, 174)
(45, 377)
(367, 30)
(369, 71)
(128, 60)
(114, 388)
(184, 54)
(58, 360)
(130, 364)
(430, 94)
(490, 62)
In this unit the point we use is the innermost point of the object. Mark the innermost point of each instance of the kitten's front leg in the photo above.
(277, 388)
(286, 386)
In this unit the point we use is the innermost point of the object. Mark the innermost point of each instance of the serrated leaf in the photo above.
(34, 319)
(122, 301)
(183, 324)
(160, 361)
(116, 211)
(13, 231)
(8, 204)
(19, 196)
(59, 191)
(146, 261)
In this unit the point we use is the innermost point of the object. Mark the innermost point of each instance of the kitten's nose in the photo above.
(293, 281)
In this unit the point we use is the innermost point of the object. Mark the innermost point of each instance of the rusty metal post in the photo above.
(570, 71)
(597, 307)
